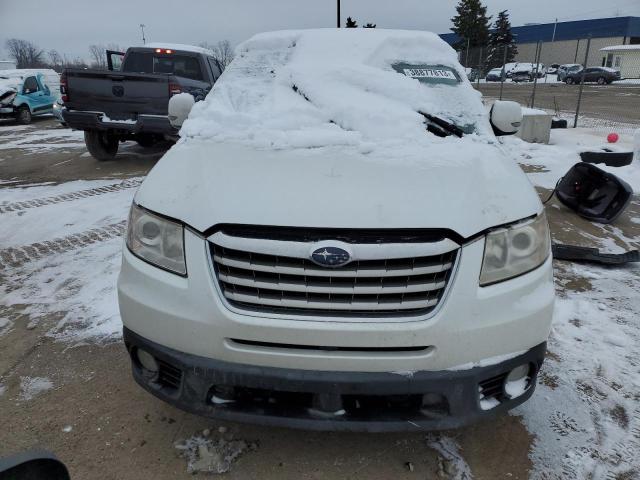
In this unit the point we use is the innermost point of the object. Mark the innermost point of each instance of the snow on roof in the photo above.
(323, 87)
(180, 46)
(620, 47)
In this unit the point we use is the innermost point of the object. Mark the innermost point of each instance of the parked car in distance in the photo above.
(523, 68)
(472, 74)
(599, 75)
(564, 70)
(130, 103)
(494, 75)
(509, 68)
(553, 68)
(25, 93)
(522, 76)
(326, 296)
(57, 110)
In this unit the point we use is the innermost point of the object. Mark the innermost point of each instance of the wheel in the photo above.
(602, 80)
(101, 146)
(569, 81)
(24, 115)
(146, 141)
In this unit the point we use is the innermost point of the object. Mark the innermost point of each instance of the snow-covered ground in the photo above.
(77, 283)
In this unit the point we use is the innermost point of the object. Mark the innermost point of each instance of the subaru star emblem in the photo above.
(330, 257)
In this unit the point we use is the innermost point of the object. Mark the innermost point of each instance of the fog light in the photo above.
(147, 361)
(518, 381)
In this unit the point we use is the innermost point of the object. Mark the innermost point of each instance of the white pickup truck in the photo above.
(339, 241)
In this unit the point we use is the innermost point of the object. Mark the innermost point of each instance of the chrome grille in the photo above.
(277, 276)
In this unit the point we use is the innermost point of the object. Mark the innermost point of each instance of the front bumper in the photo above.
(7, 112)
(93, 121)
(327, 400)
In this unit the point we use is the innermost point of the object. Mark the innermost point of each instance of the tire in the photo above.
(569, 81)
(602, 81)
(24, 115)
(101, 146)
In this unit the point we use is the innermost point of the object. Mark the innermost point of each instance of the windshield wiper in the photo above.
(441, 127)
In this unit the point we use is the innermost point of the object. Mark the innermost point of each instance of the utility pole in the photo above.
(555, 25)
(338, 14)
(584, 67)
(142, 25)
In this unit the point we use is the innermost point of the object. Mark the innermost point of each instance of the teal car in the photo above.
(27, 93)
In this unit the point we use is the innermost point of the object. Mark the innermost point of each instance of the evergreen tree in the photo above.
(351, 23)
(370, 25)
(500, 37)
(471, 24)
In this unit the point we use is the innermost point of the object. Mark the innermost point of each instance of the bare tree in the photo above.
(98, 56)
(55, 60)
(115, 47)
(222, 53)
(25, 53)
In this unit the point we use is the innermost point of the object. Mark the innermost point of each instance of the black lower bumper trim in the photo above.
(144, 124)
(325, 400)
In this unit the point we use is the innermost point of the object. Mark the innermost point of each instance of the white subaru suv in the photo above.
(339, 241)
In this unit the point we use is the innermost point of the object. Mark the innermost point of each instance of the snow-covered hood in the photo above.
(465, 185)
(322, 128)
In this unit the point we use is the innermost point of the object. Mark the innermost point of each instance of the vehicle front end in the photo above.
(400, 286)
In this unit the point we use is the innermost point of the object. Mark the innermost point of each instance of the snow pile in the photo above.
(318, 88)
(211, 456)
(451, 464)
(30, 387)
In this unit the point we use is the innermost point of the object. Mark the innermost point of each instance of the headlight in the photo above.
(8, 99)
(156, 240)
(515, 250)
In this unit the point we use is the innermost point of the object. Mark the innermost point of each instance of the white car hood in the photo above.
(466, 185)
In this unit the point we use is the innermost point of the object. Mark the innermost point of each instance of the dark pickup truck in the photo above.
(130, 101)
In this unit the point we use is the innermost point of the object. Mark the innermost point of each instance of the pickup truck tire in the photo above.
(101, 146)
(24, 115)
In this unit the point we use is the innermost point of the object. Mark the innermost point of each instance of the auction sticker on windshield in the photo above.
(432, 74)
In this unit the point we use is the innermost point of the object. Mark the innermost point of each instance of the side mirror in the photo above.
(505, 117)
(179, 107)
(30, 465)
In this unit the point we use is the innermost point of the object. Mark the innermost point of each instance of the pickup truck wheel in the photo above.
(24, 115)
(101, 146)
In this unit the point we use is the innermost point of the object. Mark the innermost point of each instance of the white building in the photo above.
(624, 57)
(7, 65)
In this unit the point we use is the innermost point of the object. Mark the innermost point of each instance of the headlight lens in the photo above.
(8, 99)
(157, 240)
(515, 250)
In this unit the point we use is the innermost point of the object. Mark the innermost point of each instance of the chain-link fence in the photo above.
(592, 85)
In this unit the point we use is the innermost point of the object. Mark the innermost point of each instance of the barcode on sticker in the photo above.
(429, 73)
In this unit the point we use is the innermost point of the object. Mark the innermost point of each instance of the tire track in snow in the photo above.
(67, 197)
(17, 256)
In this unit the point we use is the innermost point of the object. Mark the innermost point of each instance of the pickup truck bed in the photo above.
(128, 102)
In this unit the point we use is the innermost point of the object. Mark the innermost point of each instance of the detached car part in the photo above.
(608, 157)
(574, 253)
(593, 193)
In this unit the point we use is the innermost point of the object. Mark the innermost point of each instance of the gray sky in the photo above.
(71, 25)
